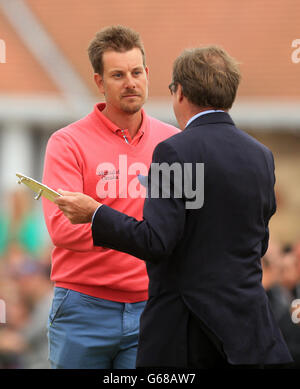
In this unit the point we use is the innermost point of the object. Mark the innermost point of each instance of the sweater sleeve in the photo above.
(272, 207)
(63, 170)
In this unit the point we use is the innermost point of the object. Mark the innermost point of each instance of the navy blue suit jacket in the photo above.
(206, 260)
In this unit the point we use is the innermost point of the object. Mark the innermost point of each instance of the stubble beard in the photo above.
(131, 109)
(134, 107)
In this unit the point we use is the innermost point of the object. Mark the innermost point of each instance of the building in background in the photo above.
(46, 80)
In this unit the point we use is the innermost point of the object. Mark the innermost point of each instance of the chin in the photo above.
(132, 109)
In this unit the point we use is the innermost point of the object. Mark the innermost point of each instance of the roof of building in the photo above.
(258, 34)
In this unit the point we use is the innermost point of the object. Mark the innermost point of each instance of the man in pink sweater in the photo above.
(100, 293)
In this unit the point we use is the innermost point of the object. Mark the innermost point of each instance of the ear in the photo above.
(147, 72)
(179, 94)
(99, 82)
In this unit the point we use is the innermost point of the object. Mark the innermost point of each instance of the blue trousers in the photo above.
(86, 332)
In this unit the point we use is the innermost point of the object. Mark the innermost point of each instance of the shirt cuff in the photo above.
(95, 214)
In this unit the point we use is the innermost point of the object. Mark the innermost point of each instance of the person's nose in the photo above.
(130, 82)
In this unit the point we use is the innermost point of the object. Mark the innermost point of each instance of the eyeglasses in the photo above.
(172, 87)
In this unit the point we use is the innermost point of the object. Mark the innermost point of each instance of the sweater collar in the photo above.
(99, 107)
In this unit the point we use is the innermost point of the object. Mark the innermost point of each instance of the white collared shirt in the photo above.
(202, 113)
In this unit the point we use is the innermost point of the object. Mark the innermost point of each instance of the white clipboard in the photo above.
(39, 188)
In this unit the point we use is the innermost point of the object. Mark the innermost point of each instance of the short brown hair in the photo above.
(209, 77)
(115, 38)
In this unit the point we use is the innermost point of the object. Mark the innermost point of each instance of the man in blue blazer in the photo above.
(202, 245)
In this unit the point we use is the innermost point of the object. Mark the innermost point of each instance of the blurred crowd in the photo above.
(25, 286)
(26, 289)
(281, 280)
